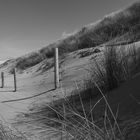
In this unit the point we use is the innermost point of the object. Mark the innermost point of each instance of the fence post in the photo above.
(2, 79)
(15, 80)
(56, 69)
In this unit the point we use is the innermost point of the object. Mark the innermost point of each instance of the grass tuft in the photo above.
(73, 117)
(8, 133)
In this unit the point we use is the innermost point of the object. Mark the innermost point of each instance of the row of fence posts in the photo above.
(56, 78)
(56, 73)
(15, 80)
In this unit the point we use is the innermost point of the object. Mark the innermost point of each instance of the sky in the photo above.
(28, 25)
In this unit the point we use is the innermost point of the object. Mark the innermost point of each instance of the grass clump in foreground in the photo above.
(8, 133)
(74, 117)
(112, 70)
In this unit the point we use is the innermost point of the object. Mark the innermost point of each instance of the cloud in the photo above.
(2, 62)
(64, 34)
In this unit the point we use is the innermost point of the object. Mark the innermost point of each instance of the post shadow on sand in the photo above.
(8, 91)
(30, 97)
(11, 89)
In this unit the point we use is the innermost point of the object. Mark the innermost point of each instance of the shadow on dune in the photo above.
(30, 97)
(8, 91)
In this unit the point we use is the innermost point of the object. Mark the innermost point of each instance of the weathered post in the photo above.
(2, 79)
(15, 80)
(56, 68)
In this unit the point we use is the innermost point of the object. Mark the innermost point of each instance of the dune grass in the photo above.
(9, 133)
(73, 117)
(119, 64)
(122, 27)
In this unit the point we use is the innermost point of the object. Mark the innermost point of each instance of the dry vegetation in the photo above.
(9, 133)
(122, 27)
(73, 117)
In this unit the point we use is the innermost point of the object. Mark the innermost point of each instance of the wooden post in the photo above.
(15, 80)
(2, 79)
(56, 69)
